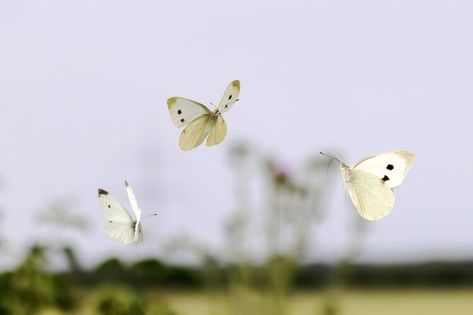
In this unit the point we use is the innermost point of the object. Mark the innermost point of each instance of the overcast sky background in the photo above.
(83, 89)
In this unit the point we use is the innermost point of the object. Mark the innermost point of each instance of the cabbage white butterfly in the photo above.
(370, 181)
(118, 223)
(201, 123)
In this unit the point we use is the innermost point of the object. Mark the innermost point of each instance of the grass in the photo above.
(382, 302)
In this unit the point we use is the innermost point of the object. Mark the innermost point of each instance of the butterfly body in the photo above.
(118, 223)
(346, 172)
(199, 122)
(370, 182)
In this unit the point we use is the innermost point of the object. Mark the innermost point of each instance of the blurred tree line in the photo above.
(31, 287)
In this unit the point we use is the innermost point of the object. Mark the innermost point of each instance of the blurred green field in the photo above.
(385, 302)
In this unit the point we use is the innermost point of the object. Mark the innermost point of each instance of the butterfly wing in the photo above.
(229, 97)
(371, 196)
(183, 110)
(218, 131)
(118, 223)
(195, 133)
(136, 211)
(391, 166)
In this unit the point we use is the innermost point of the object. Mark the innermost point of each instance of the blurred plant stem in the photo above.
(337, 285)
(291, 207)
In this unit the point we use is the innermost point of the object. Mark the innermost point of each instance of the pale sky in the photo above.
(83, 89)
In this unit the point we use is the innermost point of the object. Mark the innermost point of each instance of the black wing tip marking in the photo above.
(102, 192)
(126, 183)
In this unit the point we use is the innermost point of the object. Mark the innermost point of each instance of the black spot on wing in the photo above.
(110, 207)
(182, 120)
(390, 167)
(385, 178)
(230, 97)
(179, 111)
(102, 192)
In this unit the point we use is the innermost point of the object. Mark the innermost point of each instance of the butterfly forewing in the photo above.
(118, 223)
(217, 132)
(372, 197)
(391, 167)
(133, 203)
(112, 209)
(183, 111)
(136, 211)
(195, 133)
(229, 97)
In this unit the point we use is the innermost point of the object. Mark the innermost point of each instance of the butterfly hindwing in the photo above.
(372, 197)
(229, 97)
(120, 231)
(195, 133)
(391, 166)
(218, 131)
(183, 111)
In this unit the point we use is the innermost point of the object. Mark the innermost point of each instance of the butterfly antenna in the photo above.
(328, 166)
(150, 215)
(332, 158)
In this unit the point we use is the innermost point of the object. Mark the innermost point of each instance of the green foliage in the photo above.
(29, 288)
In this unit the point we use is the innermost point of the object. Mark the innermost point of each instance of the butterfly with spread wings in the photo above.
(200, 122)
(370, 182)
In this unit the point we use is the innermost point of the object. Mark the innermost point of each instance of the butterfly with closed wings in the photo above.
(370, 182)
(118, 223)
(200, 122)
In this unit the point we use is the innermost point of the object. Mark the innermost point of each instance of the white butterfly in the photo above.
(200, 122)
(370, 181)
(118, 223)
